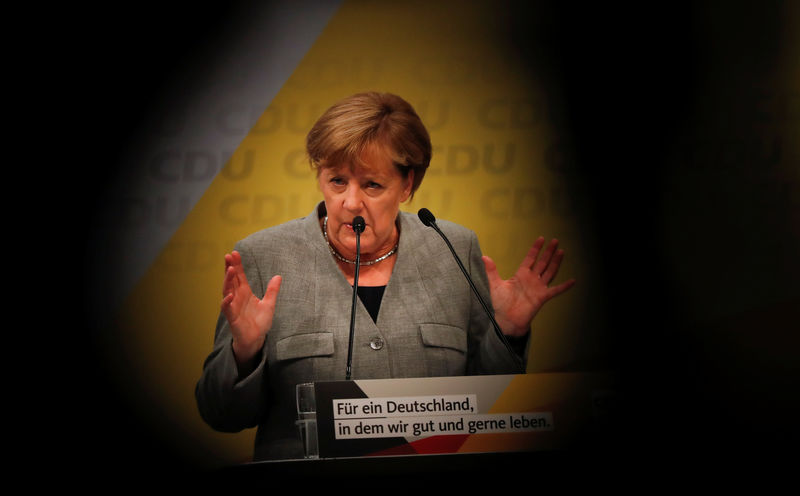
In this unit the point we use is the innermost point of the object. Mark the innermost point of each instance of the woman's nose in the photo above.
(353, 200)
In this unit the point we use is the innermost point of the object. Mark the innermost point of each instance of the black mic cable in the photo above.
(358, 228)
(429, 220)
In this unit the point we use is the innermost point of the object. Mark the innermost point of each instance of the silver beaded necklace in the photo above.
(353, 262)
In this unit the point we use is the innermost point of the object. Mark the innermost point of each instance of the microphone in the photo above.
(358, 228)
(358, 224)
(429, 220)
(426, 217)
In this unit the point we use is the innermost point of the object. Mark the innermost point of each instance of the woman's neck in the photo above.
(369, 275)
(377, 274)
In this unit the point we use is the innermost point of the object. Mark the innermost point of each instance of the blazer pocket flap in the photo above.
(304, 345)
(443, 336)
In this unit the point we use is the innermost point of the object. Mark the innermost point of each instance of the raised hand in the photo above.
(250, 318)
(517, 300)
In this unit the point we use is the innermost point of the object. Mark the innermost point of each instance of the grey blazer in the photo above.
(429, 324)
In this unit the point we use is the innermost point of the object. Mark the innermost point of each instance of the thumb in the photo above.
(491, 271)
(271, 294)
(273, 287)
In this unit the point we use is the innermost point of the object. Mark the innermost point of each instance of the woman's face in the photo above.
(373, 192)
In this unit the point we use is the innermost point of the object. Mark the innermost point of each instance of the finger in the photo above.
(557, 290)
(233, 280)
(491, 272)
(238, 266)
(547, 255)
(227, 282)
(226, 307)
(226, 301)
(232, 258)
(271, 294)
(530, 258)
(552, 269)
(274, 285)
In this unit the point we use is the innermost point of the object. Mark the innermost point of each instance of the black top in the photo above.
(371, 298)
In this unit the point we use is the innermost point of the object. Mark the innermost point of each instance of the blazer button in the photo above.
(376, 343)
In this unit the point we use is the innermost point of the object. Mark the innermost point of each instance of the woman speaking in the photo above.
(287, 290)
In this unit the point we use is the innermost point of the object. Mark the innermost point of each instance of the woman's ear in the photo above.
(409, 185)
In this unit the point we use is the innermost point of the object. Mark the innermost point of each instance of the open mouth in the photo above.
(349, 226)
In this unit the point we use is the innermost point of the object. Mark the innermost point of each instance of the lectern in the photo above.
(448, 427)
(469, 414)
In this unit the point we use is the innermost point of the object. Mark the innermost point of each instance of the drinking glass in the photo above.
(307, 419)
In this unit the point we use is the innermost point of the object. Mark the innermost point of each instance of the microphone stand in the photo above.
(358, 227)
(429, 220)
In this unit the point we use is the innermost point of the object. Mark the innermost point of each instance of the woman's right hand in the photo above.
(250, 318)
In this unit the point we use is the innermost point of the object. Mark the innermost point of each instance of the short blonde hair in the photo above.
(351, 125)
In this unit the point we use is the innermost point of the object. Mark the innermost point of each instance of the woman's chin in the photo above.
(366, 251)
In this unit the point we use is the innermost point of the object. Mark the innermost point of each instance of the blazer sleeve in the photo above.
(488, 354)
(227, 402)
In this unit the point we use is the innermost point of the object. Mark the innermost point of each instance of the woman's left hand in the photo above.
(517, 300)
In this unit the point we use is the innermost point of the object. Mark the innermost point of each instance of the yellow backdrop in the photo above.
(493, 170)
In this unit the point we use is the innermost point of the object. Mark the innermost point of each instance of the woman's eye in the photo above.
(373, 185)
(337, 180)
